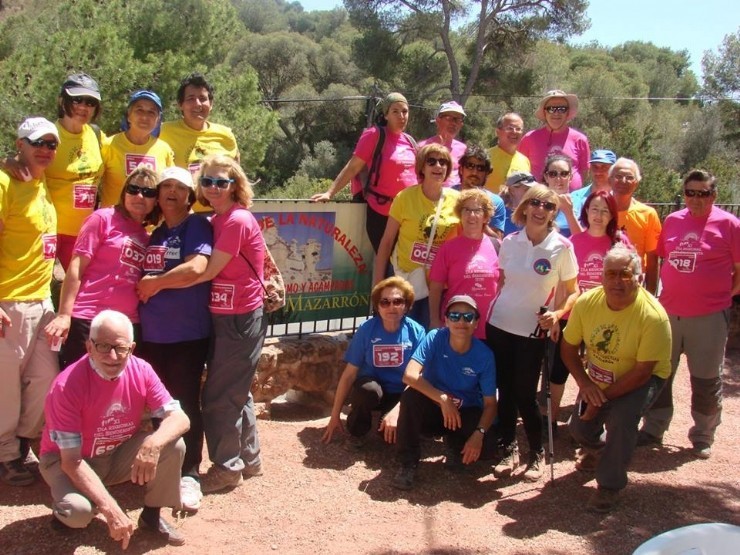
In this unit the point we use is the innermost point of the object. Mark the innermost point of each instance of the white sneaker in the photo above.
(190, 494)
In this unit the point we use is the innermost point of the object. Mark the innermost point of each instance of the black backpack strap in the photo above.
(373, 174)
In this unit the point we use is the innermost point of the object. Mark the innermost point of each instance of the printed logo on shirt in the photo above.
(387, 356)
(155, 258)
(84, 196)
(49, 242)
(467, 371)
(602, 339)
(222, 296)
(132, 253)
(542, 266)
(600, 375)
(132, 161)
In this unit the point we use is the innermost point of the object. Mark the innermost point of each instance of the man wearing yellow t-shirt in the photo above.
(28, 236)
(505, 158)
(136, 145)
(628, 346)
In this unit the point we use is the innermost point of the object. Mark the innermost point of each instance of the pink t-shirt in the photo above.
(397, 167)
(115, 246)
(102, 413)
(590, 252)
(236, 289)
(540, 143)
(457, 150)
(699, 255)
(468, 267)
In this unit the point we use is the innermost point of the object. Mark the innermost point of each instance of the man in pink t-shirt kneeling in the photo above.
(92, 437)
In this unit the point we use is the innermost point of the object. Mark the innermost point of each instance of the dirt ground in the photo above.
(325, 499)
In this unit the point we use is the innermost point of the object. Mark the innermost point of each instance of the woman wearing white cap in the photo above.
(556, 109)
(175, 320)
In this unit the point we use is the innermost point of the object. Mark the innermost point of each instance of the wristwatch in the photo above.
(482, 430)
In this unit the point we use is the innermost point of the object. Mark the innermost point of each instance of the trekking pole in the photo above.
(544, 334)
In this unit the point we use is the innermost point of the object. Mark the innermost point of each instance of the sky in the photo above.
(693, 25)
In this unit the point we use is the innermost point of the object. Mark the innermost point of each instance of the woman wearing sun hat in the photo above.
(556, 110)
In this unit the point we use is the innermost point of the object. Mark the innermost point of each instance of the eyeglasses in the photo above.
(38, 143)
(479, 167)
(625, 274)
(105, 348)
(454, 119)
(691, 193)
(219, 182)
(468, 317)
(625, 178)
(473, 211)
(86, 100)
(146, 192)
(553, 174)
(536, 203)
(395, 301)
(434, 161)
(556, 109)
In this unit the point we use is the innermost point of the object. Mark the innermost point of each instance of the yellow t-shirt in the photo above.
(28, 239)
(121, 157)
(72, 178)
(415, 214)
(617, 339)
(503, 165)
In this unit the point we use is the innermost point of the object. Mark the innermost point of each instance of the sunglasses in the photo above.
(86, 100)
(468, 317)
(556, 109)
(434, 161)
(396, 301)
(691, 193)
(478, 167)
(536, 203)
(219, 182)
(625, 274)
(146, 192)
(553, 174)
(38, 143)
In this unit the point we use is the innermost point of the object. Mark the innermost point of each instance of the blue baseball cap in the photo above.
(603, 157)
(147, 95)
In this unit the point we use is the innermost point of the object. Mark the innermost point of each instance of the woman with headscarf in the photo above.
(556, 110)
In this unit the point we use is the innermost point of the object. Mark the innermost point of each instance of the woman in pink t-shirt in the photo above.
(239, 326)
(106, 264)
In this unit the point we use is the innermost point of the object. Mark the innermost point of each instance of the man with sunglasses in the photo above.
(93, 436)
(628, 345)
(700, 248)
(451, 381)
(475, 166)
(28, 240)
(449, 121)
(505, 158)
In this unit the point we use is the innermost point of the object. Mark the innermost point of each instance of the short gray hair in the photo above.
(626, 162)
(114, 317)
(620, 251)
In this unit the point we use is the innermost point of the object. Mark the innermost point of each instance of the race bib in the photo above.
(222, 296)
(102, 445)
(84, 196)
(683, 262)
(600, 375)
(49, 242)
(132, 254)
(387, 356)
(133, 161)
(419, 253)
(194, 168)
(155, 258)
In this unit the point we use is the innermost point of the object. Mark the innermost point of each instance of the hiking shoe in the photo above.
(14, 473)
(508, 463)
(535, 466)
(219, 479)
(163, 530)
(645, 439)
(252, 470)
(602, 500)
(30, 460)
(701, 450)
(405, 477)
(453, 459)
(586, 460)
(190, 494)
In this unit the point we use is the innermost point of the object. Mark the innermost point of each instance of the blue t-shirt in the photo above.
(498, 220)
(510, 227)
(175, 315)
(381, 355)
(468, 377)
(578, 197)
(562, 222)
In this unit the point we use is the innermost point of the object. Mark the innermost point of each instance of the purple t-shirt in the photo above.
(175, 315)
(699, 255)
(104, 413)
(457, 150)
(540, 143)
(468, 267)
(115, 246)
(236, 289)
